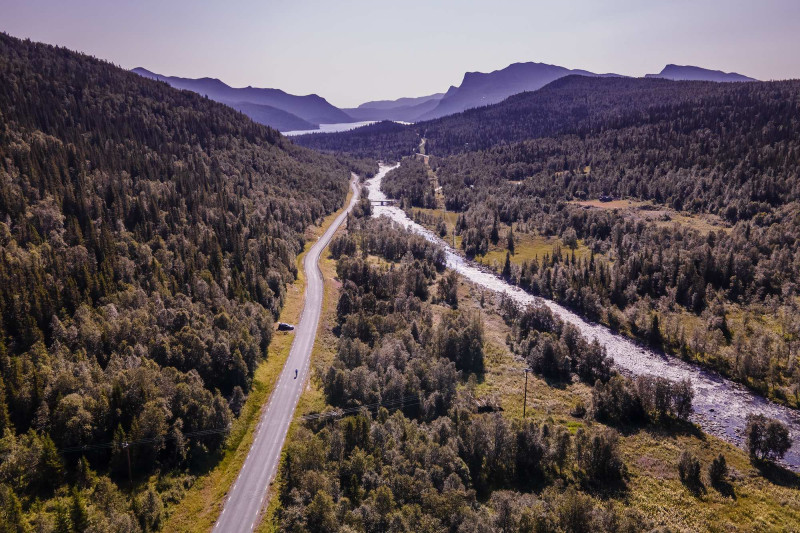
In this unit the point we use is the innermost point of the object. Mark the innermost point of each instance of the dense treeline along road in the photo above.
(430, 371)
(246, 498)
(146, 238)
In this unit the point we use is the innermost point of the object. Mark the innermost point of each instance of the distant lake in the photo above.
(331, 128)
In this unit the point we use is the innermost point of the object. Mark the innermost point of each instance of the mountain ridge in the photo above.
(484, 88)
(399, 102)
(568, 105)
(273, 117)
(694, 73)
(287, 112)
(478, 89)
(310, 108)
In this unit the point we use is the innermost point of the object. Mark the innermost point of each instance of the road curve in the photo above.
(246, 497)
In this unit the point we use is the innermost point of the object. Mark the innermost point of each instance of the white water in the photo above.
(720, 405)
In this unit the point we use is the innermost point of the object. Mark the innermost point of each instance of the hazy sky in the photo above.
(352, 51)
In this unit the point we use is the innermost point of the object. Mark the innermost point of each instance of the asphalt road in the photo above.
(246, 498)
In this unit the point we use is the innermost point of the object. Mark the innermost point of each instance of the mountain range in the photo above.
(402, 109)
(569, 105)
(288, 112)
(479, 89)
(272, 107)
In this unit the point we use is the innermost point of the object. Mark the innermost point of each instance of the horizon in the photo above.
(355, 52)
(161, 74)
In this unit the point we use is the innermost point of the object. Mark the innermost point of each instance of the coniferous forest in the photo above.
(146, 238)
(694, 246)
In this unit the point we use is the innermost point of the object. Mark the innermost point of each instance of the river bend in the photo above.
(720, 405)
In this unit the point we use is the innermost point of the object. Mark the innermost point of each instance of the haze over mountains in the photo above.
(403, 109)
(570, 105)
(287, 112)
(480, 89)
(298, 112)
(690, 73)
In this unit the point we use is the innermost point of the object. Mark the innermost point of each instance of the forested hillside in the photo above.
(695, 244)
(146, 237)
(590, 106)
(383, 140)
(585, 106)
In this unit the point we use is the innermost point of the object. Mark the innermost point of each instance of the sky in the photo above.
(354, 51)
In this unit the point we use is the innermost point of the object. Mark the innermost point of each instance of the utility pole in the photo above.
(525, 400)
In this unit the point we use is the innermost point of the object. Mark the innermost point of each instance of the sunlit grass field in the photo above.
(651, 454)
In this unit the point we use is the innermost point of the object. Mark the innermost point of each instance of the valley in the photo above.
(393, 436)
(383, 268)
(720, 406)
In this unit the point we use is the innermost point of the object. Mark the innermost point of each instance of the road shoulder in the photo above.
(312, 399)
(200, 508)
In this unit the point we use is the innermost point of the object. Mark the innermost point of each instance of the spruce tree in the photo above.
(78, 513)
(494, 236)
(507, 266)
(5, 419)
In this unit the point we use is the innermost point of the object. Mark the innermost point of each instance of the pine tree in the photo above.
(63, 524)
(5, 419)
(52, 466)
(11, 516)
(718, 470)
(494, 236)
(507, 266)
(78, 513)
(510, 244)
(654, 335)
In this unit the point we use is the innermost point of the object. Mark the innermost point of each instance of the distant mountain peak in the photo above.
(272, 107)
(483, 88)
(694, 73)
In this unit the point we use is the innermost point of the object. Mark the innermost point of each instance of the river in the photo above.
(720, 405)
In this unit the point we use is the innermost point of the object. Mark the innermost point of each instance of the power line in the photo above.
(404, 401)
(399, 403)
(148, 440)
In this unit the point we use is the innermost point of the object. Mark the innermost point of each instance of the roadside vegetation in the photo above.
(416, 425)
(199, 509)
